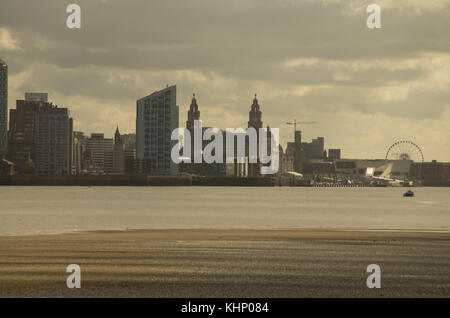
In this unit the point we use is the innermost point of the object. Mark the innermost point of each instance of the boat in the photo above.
(408, 193)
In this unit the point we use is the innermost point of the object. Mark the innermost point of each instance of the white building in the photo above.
(392, 169)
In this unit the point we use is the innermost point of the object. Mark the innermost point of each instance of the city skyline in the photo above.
(225, 157)
(318, 62)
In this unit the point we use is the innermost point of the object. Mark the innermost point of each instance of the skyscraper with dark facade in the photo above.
(22, 135)
(54, 140)
(3, 107)
(40, 138)
(156, 118)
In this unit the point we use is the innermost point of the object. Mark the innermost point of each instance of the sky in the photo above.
(309, 60)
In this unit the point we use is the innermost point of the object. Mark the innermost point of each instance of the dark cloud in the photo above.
(306, 59)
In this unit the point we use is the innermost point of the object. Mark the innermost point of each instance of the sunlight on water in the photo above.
(34, 210)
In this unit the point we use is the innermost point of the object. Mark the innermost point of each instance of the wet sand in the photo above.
(227, 263)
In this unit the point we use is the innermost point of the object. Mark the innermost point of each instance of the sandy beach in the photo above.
(227, 263)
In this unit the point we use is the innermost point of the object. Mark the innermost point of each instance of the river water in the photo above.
(51, 210)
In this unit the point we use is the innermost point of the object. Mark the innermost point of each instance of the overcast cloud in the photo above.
(308, 60)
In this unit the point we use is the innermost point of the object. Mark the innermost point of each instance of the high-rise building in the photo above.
(156, 118)
(129, 141)
(130, 159)
(115, 158)
(40, 137)
(54, 142)
(3, 108)
(129, 144)
(94, 153)
(79, 140)
(22, 135)
(36, 97)
(297, 151)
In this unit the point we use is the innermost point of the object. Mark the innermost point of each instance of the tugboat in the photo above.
(408, 193)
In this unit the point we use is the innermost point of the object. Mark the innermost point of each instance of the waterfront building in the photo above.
(40, 137)
(22, 135)
(94, 153)
(314, 149)
(194, 168)
(79, 140)
(193, 114)
(285, 160)
(54, 133)
(157, 116)
(431, 173)
(129, 145)
(255, 121)
(3, 108)
(334, 154)
(129, 161)
(115, 158)
(299, 152)
(394, 169)
(129, 141)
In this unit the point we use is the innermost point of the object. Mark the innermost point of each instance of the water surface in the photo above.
(48, 210)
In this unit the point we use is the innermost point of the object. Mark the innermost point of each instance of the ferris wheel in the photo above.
(405, 150)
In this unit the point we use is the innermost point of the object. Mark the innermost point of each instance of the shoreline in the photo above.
(289, 231)
(226, 263)
(169, 181)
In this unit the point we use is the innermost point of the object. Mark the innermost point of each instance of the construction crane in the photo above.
(300, 123)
